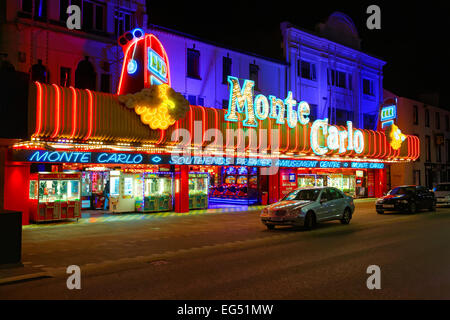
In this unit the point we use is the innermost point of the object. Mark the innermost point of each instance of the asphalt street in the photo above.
(233, 256)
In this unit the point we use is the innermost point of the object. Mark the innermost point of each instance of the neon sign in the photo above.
(141, 158)
(241, 101)
(157, 65)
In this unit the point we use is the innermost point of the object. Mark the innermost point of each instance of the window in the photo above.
(335, 194)
(428, 148)
(415, 115)
(350, 82)
(201, 101)
(438, 153)
(226, 69)
(369, 121)
(313, 112)
(225, 104)
(368, 87)
(39, 72)
(438, 120)
(40, 9)
(105, 82)
(337, 78)
(27, 6)
(122, 22)
(342, 116)
(253, 74)
(85, 75)
(193, 64)
(64, 77)
(93, 16)
(427, 118)
(92, 13)
(192, 100)
(307, 70)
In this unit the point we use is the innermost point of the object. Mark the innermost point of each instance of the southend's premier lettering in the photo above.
(290, 113)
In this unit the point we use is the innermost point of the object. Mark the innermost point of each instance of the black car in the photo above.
(407, 199)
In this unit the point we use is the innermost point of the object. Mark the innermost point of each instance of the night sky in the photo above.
(414, 38)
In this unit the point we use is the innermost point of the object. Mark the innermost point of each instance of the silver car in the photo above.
(442, 194)
(307, 206)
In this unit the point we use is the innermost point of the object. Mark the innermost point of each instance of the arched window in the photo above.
(85, 75)
(39, 72)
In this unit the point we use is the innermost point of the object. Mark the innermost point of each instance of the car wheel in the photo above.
(380, 211)
(347, 216)
(310, 221)
(412, 208)
(270, 226)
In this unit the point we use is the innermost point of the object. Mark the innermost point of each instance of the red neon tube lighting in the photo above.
(57, 111)
(90, 114)
(74, 111)
(38, 109)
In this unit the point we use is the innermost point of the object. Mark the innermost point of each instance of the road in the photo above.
(233, 256)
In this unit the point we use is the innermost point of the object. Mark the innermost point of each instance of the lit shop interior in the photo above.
(151, 188)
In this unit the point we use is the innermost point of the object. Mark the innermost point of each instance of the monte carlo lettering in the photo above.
(324, 137)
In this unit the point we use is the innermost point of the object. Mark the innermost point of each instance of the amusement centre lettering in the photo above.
(283, 111)
(133, 158)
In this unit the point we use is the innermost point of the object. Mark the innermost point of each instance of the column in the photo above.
(16, 189)
(181, 189)
(274, 187)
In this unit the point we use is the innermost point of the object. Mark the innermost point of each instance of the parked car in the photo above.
(407, 199)
(442, 193)
(307, 206)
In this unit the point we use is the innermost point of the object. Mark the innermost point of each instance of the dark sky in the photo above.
(414, 38)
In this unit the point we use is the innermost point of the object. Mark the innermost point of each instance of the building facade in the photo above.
(328, 69)
(81, 135)
(431, 125)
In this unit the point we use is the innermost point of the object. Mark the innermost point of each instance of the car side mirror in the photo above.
(323, 200)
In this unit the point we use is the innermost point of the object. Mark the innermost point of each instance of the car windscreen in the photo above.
(402, 190)
(443, 187)
(303, 194)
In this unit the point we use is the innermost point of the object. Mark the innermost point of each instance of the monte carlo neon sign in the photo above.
(284, 112)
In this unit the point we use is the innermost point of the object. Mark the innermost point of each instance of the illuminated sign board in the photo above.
(46, 156)
(158, 66)
(388, 112)
(284, 112)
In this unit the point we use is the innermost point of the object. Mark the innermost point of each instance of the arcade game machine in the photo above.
(336, 180)
(55, 196)
(253, 194)
(86, 192)
(98, 180)
(121, 192)
(306, 180)
(154, 192)
(239, 186)
(198, 190)
(349, 185)
(321, 180)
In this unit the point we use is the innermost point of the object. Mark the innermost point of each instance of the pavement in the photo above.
(231, 255)
(42, 251)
